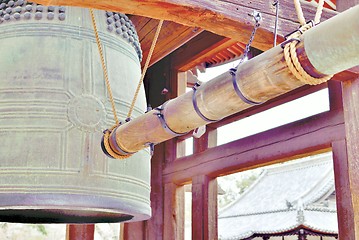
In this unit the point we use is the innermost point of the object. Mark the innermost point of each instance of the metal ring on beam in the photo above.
(114, 145)
(195, 105)
(162, 119)
(233, 71)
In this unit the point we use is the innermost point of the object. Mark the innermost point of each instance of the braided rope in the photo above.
(319, 11)
(104, 68)
(290, 53)
(153, 45)
(108, 86)
(299, 11)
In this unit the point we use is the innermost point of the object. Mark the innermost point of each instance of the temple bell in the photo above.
(54, 107)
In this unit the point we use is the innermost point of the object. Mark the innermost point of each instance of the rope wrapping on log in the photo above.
(290, 50)
(119, 153)
(106, 147)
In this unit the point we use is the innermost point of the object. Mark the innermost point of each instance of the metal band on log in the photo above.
(329, 48)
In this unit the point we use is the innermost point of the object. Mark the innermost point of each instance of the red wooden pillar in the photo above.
(132, 231)
(158, 77)
(173, 228)
(154, 226)
(80, 232)
(346, 155)
(173, 201)
(346, 164)
(204, 208)
(204, 195)
(151, 229)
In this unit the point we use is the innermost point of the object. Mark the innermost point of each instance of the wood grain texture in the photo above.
(154, 226)
(204, 208)
(349, 171)
(173, 212)
(345, 209)
(197, 50)
(134, 231)
(172, 36)
(226, 18)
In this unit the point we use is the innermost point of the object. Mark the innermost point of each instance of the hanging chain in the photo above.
(257, 16)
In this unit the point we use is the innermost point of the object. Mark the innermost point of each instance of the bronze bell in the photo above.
(54, 107)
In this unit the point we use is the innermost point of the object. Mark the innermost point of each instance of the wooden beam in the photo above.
(290, 141)
(226, 18)
(345, 4)
(172, 36)
(195, 51)
(80, 232)
(204, 208)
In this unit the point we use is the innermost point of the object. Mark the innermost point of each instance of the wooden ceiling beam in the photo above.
(198, 50)
(172, 36)
(227, 18)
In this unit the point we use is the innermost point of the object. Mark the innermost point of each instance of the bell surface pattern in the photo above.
(53, 109)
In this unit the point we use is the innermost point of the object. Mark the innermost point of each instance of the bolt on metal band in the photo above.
(195, 105)
(162, 119)
(233, 71)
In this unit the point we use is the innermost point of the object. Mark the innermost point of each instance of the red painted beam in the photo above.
(277, 145)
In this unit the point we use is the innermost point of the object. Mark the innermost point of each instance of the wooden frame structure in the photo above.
(335, 130)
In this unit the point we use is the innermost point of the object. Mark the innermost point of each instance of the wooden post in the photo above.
(204, 195)
(154, 226)
(80, 231)
(133, 231)
(346, 164)
(260, 79)
(204, 208)
(173, 228)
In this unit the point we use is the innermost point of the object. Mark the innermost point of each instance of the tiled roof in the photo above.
(283, 198)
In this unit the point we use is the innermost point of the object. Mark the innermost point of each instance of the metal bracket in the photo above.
(282, 45)
(233, 71)
(114, 145)
(152, 147)
(162, 119)
(195, 105)
(311, 22)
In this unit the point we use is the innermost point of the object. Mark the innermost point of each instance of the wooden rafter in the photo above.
(172, 36)
(226, 18)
